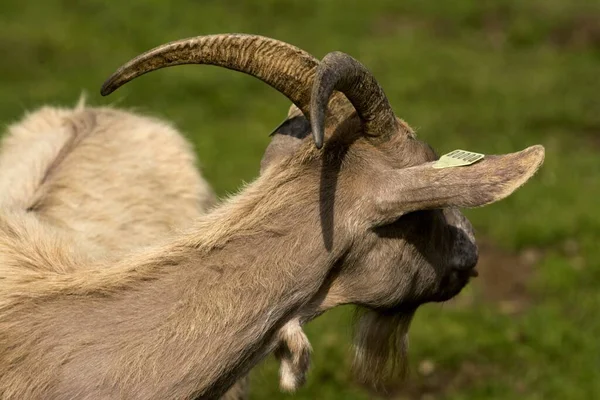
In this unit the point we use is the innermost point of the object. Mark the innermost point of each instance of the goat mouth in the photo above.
(455, 283)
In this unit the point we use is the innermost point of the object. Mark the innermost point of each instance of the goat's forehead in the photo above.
(422, 151)
(428, 152)
(406, 151)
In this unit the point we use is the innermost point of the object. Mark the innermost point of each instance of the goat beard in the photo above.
(381, 346)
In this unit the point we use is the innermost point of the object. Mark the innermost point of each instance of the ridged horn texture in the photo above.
(282, 66)
(341, 72)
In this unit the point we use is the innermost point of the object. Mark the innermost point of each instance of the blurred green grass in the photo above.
(487, 76)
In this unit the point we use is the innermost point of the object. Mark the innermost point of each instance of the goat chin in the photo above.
(381, 347)
(293, 353)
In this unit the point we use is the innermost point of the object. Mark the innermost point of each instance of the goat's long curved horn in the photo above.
(339, 71)
(286, 68)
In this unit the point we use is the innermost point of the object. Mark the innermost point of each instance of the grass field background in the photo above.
(490, 77)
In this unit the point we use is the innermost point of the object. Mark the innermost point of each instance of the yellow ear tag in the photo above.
(457, 158)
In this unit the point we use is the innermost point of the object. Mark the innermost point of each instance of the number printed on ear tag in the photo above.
(457, 158)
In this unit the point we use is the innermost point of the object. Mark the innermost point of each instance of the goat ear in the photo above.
(286, 138)
(424, 187)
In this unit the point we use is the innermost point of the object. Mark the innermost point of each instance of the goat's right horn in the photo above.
(286, 68)
(339, 71)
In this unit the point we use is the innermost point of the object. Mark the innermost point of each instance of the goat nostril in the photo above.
(467, 263)
(472, 262)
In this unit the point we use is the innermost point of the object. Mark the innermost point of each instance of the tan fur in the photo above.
(89, 177)
(127, 180)
(358, 222)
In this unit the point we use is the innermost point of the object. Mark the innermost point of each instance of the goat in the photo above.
(111, 181)
(360, 217)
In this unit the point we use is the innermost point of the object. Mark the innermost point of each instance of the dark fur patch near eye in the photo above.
(297, 127)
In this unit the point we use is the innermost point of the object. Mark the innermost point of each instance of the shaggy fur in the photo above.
(116, 179)
(89, 177)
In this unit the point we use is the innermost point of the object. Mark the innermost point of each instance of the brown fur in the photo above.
(354, 223)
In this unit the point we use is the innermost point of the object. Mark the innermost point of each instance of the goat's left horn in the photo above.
(284, 67)
(341, 72)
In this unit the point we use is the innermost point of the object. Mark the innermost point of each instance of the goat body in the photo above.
(99, 181)
(361, 218)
